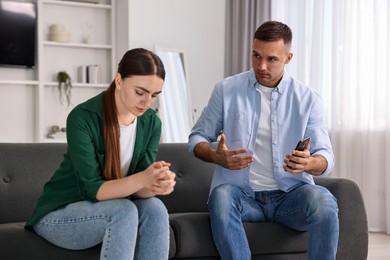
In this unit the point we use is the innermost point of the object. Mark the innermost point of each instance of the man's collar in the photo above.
(281, 88)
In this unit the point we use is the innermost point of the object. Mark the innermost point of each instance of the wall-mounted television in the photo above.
(18, 21)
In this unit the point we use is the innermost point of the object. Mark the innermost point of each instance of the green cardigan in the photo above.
(80, 174)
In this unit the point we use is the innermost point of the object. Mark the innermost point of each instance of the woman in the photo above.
(104, 189)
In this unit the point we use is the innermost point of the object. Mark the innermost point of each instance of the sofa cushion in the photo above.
(32, 246)
(193, 235)
(24, 244)
(194, 239)
(273, 238)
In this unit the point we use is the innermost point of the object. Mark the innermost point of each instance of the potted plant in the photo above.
(64, 86)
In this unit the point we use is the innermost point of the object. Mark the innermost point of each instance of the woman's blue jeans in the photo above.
(310, 208)
(129, 229)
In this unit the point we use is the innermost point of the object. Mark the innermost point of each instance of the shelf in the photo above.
(18, 82)
(78, 45)
(78, 4)
(79, 85)
(56, 56)
(53, 140)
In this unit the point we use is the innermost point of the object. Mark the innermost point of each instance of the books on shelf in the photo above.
(89, 73)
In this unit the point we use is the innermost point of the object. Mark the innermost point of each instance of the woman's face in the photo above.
(136, 94)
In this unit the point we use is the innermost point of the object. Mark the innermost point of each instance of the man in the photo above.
(259, 116)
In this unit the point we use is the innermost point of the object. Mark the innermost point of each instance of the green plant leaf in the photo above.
(64, 86)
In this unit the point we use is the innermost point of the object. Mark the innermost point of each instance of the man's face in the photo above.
(268, 61)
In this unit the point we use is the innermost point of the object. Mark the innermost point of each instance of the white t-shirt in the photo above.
(127, 142)
(261, 172)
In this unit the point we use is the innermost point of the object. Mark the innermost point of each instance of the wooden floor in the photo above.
(378, 246)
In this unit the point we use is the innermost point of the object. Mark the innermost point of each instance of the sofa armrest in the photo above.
(353, 238)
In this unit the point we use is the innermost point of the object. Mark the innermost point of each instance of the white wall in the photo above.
(195, 26)
(17, 107)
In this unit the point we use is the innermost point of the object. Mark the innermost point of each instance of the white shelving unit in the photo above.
(80, 19)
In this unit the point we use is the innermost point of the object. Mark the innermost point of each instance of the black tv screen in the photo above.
(18, 22)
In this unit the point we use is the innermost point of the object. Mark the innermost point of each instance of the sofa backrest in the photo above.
(193, 179)
(25, 168)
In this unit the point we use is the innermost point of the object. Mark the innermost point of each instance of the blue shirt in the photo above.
(234, 109)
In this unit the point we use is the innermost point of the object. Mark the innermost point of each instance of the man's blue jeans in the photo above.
(310, 208)
(129, 229)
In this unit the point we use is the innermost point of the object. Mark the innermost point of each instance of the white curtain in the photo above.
(341, 49)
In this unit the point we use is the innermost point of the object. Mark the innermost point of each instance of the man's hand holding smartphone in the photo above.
(302, 144)
(299, 158)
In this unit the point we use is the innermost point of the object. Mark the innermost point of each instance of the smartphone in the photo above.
(302, 144)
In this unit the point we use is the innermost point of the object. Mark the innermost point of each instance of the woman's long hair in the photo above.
(135, 62)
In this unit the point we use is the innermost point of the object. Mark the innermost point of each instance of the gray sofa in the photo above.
(24, 168)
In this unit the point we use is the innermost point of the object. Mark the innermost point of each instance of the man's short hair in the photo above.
(273, 31)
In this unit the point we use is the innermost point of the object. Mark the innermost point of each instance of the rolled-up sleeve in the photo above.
(320, 141)
(210, 123)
